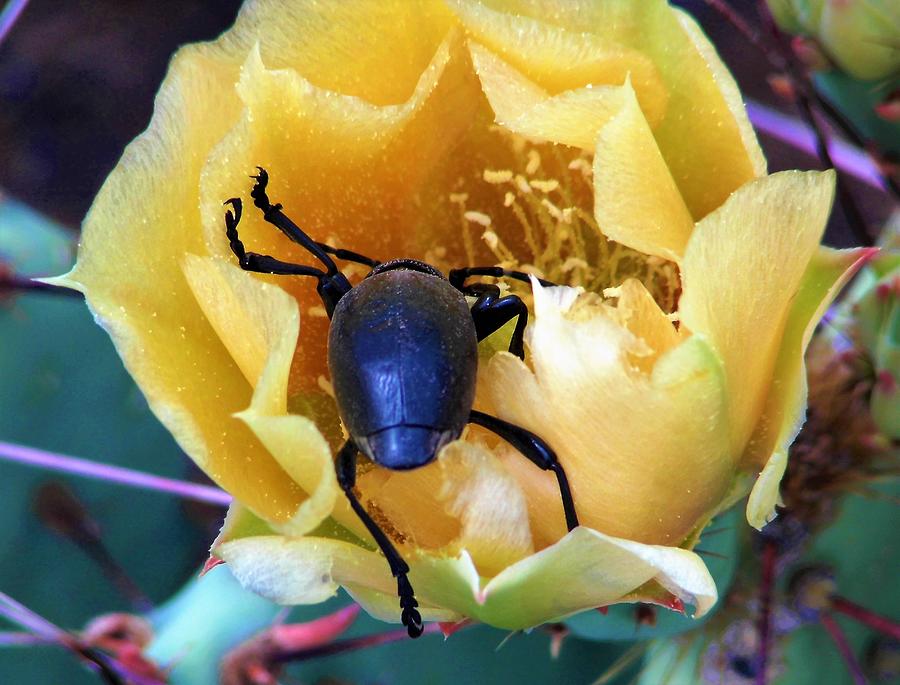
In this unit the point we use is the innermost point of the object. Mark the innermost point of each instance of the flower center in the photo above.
(542, 222)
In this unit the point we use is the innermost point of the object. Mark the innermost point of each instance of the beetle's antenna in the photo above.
(274, 215)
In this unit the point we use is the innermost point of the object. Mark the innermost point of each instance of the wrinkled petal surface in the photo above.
(620, 432)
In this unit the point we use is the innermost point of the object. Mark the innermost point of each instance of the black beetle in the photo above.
(403, 355)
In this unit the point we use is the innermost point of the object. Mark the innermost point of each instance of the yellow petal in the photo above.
(586, 569)
(637, 311)
(785, 408)
(636, 200)
(558, 60)
(572, 117)
(259, 323)
(704, 134)
(336, 44)
(707, 139)
(465, 500)
(741, 273)
(489, 504)
(341, 166)
(129, 266)
(620, 433)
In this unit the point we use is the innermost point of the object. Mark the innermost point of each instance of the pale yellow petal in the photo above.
(584, 570)
(637, 311)
(559, 60)
(587, 569)
(489, 504)
(636, 200)
(383, 606)
(572, 117)
(741, 273)
(785, 408)
(620, 433)
(258, 323)
(372, 49)
(141, 224)
(465, 500)
(704, 134)
(740, 136)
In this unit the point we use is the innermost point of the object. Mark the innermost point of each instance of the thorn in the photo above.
(296, 636)
(450, 627)
(110, 631)
(843, 646)
(509, 636)
(124, 636)
(210, 564)
(260, 659)
(882, 624)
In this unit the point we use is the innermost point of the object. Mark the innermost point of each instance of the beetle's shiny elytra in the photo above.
(403, 355)
(403, 358)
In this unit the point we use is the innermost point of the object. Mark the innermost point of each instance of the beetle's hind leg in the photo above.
(537, 451)
(458, 277)
(346, 476)
(490, 312)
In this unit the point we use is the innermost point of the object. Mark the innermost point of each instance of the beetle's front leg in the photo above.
(490, 312)
(253, 261)
(537, 451)
(346, 476)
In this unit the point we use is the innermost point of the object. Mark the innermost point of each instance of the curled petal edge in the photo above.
(828, 272)
(584, 570)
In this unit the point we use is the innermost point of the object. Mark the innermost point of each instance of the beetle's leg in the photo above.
(457, 277)
(349, 255)
(253, 261)
(536, 450)
(346, 477)
(331, 287)
(490, 312)
(274, 215)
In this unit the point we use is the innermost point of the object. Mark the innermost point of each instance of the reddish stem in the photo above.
(843, 647)
(350, 645)
(770, 554)
(875, 621)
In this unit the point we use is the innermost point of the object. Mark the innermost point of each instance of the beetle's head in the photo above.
(405, 447)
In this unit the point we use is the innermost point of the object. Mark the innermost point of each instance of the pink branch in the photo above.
(31, 456)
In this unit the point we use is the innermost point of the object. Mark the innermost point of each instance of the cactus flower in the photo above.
(602, 145)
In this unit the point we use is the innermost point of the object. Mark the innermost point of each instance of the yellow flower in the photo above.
(529, 134)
